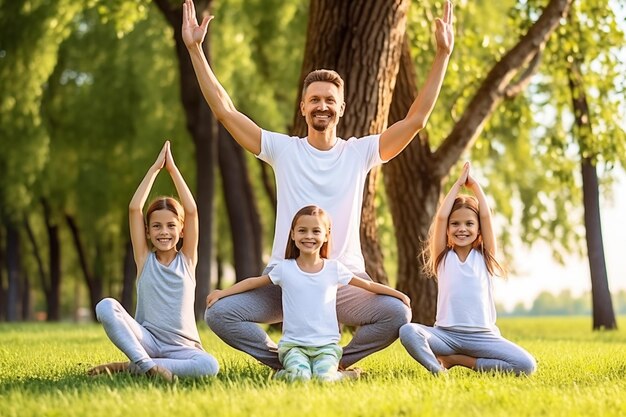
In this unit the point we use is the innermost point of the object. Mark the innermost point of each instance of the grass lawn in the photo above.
(581, 373)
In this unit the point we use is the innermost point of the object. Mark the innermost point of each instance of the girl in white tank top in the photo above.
(461, 253)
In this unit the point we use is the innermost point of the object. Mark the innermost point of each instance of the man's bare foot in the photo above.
(109, 368)
(160, 372)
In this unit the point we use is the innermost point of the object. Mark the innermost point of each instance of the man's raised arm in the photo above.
(398, 136)
(244, 130)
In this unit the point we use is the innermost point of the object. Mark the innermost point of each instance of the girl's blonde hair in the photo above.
(432, 260)
(292, 251)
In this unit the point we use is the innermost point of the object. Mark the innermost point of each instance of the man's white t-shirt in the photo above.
(332, 179)
(465, 298)
(310, 302)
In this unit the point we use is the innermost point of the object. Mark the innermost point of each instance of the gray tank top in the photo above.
(165, 298)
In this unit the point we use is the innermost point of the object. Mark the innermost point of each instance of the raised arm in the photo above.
(242, 286)
(486, 226)
(135, 210)
(244, 130)
(190, 228)
(440, 238)
(399, 135)
(377, 288)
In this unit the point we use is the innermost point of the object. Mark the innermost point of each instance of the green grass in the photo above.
(581, 373)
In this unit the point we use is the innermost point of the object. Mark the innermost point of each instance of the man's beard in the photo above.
(320, 125)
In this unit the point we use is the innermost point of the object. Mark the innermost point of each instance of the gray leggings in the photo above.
(378, 317)
(145, 351)
(492, 351)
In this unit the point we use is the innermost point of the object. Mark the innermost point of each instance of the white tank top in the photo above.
(465, 299)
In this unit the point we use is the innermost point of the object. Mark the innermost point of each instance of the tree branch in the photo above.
(521, 84)
(493, 88)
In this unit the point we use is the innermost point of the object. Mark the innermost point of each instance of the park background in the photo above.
(533, 96)
(90, 90)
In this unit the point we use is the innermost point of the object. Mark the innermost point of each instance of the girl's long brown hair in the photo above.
(433, 260)
(292, 251)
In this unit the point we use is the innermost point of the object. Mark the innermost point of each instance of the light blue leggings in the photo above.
(301, 363)
(492, 351)
(145, 351)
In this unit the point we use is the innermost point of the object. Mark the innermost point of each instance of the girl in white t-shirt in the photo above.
(309, 346)
(461, 253)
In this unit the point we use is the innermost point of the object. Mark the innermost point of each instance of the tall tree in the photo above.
(603, 314)
(50, 277)
(414, 178)
(243, 216)
(99, 65)
(584, 81)
(259, 21)
(361, 40)
(203, 130)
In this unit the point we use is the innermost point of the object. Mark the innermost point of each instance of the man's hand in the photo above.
(444, 33)
(193, 34)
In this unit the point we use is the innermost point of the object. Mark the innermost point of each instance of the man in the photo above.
(319, 169)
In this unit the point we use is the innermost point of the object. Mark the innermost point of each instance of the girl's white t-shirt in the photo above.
(465, 298)
(332, 179)
(310, 302)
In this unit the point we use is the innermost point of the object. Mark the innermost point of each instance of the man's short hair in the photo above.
(323, 75)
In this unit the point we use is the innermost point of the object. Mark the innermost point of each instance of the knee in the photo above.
(208, 366)
(526, 365)
(105, 309)
(411, 332)
(398, 313)
(216, 314)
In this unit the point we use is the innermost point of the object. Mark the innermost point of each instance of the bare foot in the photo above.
(108, 368)
(160, 372)
(352, 373)
(460, 360)
(443, 360)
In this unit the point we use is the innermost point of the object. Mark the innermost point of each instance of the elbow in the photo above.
(418, 119)
(191, 210)
(134, 208)
(418, 123)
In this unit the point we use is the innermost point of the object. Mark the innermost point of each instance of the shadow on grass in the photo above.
(77, 381)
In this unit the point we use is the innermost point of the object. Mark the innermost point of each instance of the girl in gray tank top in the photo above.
(162, 340)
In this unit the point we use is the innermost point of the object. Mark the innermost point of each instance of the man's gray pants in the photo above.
(378, 318)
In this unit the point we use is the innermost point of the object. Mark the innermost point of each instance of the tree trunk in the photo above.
(243, 216)
(50, 286)
(603, 314)
(43, 276)
(268, 184)
(360, 40)
(94, 284)
(203, 129)
(412, 187)
(13, 272)
(3, 288)
(130, 275)
(54, 270)
(413, 179)
(25, 300)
